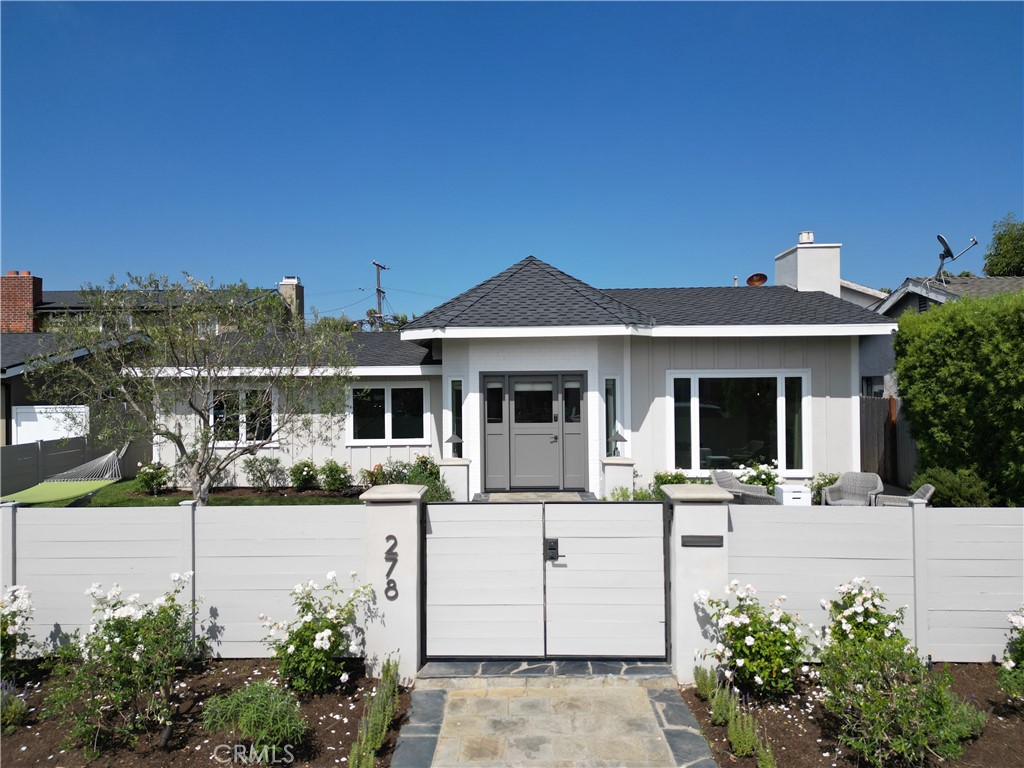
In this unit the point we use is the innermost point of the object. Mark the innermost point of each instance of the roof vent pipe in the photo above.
(806, 238)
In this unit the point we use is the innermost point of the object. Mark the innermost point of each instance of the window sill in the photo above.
(418, 442)
(220, 444)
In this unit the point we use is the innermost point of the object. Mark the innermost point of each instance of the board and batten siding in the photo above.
(959, 572)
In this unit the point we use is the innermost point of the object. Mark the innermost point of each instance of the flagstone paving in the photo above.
(572, 714)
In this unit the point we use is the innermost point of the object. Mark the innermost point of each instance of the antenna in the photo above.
(757, 279)
(947, 254)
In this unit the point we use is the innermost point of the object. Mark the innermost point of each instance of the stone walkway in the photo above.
(567, 714)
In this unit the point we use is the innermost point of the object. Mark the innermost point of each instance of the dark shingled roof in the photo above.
(387, 348)
(528, 294)
(766, 305)
(18, 348)
(978, 287)
(535, 294)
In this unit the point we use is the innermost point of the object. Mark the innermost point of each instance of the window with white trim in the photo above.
(390, 413)
(725, 421)
(242, 415)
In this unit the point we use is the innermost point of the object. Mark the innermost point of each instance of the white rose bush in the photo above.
(758, 648)
(15, 613)
(314, 647)
(117, 679)
(1011, 671)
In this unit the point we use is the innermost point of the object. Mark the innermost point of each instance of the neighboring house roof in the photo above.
(386, 348)
(534, 295)
(16, 349)
(929, 289)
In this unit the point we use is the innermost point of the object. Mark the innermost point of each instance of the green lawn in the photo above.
(128, 493)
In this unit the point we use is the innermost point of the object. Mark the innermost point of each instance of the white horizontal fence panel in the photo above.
(606, 594)
(973, 577)
(61, 552)
(485, 588)
(805, 552)
(248, 559)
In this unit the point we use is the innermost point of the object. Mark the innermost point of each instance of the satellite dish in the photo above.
(947, 254)
(756, 279)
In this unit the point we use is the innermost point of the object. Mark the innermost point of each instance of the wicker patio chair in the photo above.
(744, 493)
(925, 492)
(854, 489)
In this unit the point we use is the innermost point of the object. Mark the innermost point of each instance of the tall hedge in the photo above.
(960, 370)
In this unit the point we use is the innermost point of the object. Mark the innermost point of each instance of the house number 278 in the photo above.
(391, 556)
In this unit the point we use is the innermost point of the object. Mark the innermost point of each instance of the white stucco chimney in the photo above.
(809, 266)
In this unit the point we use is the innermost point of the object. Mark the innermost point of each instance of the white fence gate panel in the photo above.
(485, 586)
(605, 595)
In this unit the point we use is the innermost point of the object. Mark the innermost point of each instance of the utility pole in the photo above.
(380, 296)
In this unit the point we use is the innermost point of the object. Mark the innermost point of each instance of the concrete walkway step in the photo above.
(629, 714)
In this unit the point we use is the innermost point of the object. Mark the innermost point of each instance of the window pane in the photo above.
(534, 402)
(737, 422)
(495, 402)
(406, 412)
(368, 414)
(225, 416)
(681, 423)
(257, 415)
(609, 416)
(794, 423)
(457, 417)
(572, 401)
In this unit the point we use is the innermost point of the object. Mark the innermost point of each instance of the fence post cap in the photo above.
(692, 493)
(391, 494)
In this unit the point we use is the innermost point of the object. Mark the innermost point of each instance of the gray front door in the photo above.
(535, 432)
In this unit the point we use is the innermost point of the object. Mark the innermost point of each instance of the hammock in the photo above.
(77, 482)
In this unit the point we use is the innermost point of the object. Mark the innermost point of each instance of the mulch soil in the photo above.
(800, 736)
(333, 720)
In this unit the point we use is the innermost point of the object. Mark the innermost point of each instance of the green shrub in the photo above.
(959, 488)
(707, 682)
(742, 733)
(378, 713)
(119, 678)
(1011, 672)
(724, 705)
(312, 649)
(335, 477)
(264, 473)
(265, 716)
(666, 478)
(821, 481)
(423, 471)
(13, 709)
(303, 475)
(765, 756)
(759, 648)
(153, 477)
(888, 708)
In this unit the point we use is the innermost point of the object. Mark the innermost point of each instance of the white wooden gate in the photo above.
(491, 589)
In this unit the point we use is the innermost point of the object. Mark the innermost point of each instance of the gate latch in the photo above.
(551, 550)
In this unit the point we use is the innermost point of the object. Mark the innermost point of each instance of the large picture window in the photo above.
(728, 421)
(242, 415)
(389, 413)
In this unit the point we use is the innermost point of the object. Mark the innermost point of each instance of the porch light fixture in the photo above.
(617, 438)
(454, 441)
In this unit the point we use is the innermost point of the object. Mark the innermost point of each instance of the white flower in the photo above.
(748, 640)
(332, 575)
(740, 662)
(344, 677)
(291, 649)
(758, 680)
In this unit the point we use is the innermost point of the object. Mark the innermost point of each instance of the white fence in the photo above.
(959, 571)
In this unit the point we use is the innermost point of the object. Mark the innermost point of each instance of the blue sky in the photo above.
(631, 145)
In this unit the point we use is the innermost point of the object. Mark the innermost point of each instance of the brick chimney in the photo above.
(294, 294)
(20, 292)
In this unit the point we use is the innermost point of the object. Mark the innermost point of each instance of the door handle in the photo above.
(551, 550)
(554, 438)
